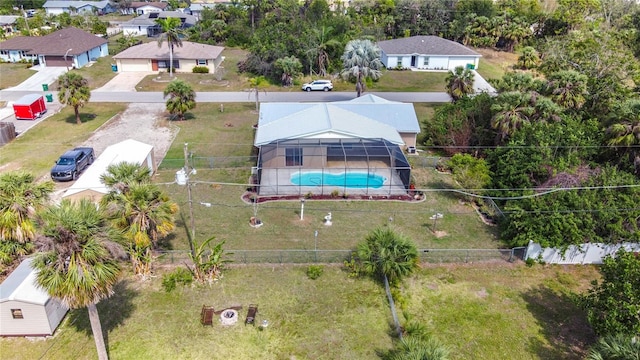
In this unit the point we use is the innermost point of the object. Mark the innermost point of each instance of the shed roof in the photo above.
(188, 50)
(129, 150)
(57, 43)
(368, 117)
(21, 286)
(425, 45)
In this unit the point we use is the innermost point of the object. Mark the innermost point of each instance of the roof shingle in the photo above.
(425, 45)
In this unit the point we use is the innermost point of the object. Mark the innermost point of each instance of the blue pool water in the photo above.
(357, 180)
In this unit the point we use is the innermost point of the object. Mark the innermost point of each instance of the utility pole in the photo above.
(187, 170)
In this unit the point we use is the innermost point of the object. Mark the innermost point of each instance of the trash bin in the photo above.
(114, 67)
(471, 66)
(45, 87)
(49, 97)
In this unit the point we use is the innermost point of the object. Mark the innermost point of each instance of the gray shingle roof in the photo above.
(8, 19)
(145, 19)
(425, 45)
(57, 43)
(75, 3)
(188, 50)
(137, 4)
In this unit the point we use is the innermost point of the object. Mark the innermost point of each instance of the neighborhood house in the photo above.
(428, 53)
(150, 57)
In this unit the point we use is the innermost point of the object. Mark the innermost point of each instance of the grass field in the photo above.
(13, 74)
(478, 311)
(494, 64)
(37, 149)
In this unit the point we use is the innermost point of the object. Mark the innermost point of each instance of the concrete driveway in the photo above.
(45, 75)
(124, 81)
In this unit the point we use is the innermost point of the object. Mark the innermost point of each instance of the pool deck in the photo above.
(278, 182)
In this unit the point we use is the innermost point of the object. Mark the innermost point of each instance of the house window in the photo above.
(164, 64)
(293, 157)
(4, 52)
(426, 61)
(203, 62)
(17, 313)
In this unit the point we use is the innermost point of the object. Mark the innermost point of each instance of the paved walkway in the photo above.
(45, 75)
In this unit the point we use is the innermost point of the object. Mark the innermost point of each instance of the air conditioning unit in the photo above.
(411, 149)
(254, 170)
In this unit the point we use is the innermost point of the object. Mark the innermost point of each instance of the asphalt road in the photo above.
(231, 97)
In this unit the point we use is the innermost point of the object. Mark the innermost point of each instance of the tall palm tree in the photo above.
(390, 257)
(182, 98)
(615, 347)
(459, 83)
(172, 34)
(118, 177)
(361, 59)
(322, 43)
(144, 214)
(77, 260)
(20, 199)
(625, 131)
(73, 90)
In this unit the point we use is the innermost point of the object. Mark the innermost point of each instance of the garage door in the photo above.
(454, 63)
(58, 61)
(134, 65)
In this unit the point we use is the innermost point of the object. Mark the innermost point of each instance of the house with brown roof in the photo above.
(150, 57)
(69, 47)
(427, 52)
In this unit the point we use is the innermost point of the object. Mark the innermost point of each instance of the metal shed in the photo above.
(25, 308)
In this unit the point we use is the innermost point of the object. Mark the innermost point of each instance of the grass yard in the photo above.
(478, 311)
(494, 64)
(13, 74)
(38, 148)
(212, 135)
(96, 74)
(410, 81)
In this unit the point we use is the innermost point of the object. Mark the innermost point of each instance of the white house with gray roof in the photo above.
(427, 52)
(57, 7)
(145, 24)
(25, 308)
(359, 139)
(150, 57)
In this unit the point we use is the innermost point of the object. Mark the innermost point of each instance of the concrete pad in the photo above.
(481, 85)
(125, 81)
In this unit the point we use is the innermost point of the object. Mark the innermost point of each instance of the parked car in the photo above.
(324, 85)
(72, 163)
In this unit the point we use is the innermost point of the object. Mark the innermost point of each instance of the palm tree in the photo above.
(77, 260)
(144, 214)
(290, 67)
(20, 198)
(182, 98)
(322, 44)
(361, 59)
(172, 33)
(511, 111)
(119, 176)
(625, 132)
(615, 347)
(73, 91)
(459, 83)
(388, 256)
(529, 58)
(568, 88)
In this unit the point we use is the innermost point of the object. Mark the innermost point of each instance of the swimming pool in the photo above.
(356, 180)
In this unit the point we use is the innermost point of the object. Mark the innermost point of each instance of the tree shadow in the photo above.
(563, 324)
(439, 184)
(71, 119)
(113, 311)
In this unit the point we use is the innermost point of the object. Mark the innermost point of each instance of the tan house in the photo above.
(150, 57)
(25, 308)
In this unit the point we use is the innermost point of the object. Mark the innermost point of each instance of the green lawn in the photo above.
(478, 311)
(494, 64)
(38, 148)
(12, 74)
(212, 135)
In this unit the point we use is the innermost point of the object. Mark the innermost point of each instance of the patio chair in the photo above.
(251, 315)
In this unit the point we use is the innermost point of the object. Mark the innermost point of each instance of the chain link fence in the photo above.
(339, 256)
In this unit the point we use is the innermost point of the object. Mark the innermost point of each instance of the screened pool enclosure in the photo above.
(372, 167)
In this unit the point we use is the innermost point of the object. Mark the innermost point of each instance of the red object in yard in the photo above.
(29, 107)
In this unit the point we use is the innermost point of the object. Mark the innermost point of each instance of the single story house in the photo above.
(57, 7)
(8, 24)
(427, 52)
(69, 47)
(89, 186)
(144, 7)
(25, 308)
(146, 25)
(150, 57)
(353, 147)
(196, 9)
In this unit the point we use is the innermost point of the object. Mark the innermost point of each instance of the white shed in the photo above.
(89, 185)
(25, 308)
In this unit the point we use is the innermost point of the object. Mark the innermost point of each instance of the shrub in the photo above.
(180, 276)
(314, 271)
(200, 70)
(308, 195)
(335, 193)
